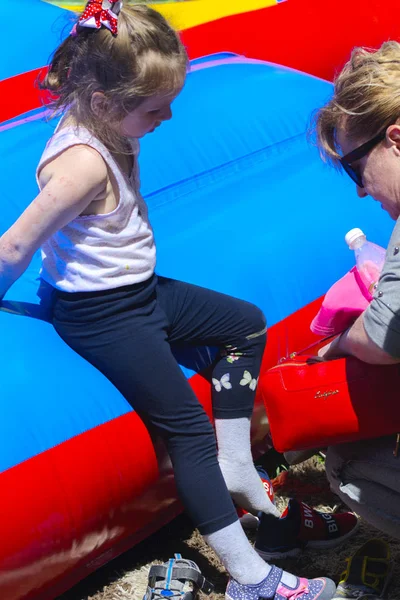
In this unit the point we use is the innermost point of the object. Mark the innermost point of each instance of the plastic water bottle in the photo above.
(369, 257)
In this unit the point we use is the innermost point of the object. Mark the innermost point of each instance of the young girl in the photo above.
(115, 78)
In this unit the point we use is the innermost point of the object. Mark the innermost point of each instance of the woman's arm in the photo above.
(375, 336)
(356, 342)
(71, 182)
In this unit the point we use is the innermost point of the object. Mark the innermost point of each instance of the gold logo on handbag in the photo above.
(326, 394)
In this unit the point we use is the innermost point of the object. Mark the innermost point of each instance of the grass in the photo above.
(126, 577)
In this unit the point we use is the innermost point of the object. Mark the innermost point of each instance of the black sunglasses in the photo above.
(347, 160)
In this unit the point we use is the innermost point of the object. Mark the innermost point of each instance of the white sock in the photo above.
(236, 462)
(239, 557)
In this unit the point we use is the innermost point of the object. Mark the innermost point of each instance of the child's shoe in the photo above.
(248, 520)
(368, 573)
(177, 578)
(299, 527)
(272, 588)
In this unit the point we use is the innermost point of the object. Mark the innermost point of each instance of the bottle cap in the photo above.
(352, 235)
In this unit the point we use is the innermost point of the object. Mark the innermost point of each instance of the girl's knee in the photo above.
(257, 325)
(257, 318)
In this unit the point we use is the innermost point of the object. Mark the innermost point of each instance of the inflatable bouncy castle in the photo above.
(240, 203)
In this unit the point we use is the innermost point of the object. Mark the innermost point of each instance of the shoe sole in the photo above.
(249, 522)
(313, 545)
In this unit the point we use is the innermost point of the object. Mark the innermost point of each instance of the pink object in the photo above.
(343, 303)
(370, 273)
(291, 594)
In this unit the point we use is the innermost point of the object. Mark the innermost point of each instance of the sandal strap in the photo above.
(372, 569)
(274, 578)
(181, 572)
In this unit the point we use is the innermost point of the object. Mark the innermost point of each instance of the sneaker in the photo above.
(299, 527)
(368, 573)
(248, 520)
(177, 578)
(272, 588)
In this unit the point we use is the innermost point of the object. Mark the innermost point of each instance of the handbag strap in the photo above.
(304, 350)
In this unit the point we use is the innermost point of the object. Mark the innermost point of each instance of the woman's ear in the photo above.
(393, 136)
(99, 104)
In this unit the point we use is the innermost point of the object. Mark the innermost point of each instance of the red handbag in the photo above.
(312, 403)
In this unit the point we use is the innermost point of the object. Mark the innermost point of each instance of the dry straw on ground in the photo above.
(126, 577)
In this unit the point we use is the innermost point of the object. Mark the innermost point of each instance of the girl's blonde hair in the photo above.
(365, 101)
(145, 58)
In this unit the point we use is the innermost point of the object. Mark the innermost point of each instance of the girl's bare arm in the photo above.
(70, 183)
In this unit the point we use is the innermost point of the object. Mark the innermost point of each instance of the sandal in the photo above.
(177, 578)
(367, 574)
(272, 588)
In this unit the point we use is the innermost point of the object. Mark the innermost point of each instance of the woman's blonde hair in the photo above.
(365, 101)
(145, 58)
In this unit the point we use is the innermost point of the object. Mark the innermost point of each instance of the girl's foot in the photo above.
(272, 588)
(248, 520)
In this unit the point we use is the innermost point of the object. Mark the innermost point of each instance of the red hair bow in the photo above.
(101, 12)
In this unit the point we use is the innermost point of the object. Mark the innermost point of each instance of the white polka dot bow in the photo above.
(100, 13)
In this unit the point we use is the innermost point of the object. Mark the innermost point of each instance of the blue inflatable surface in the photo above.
(239, 202)
(22, 36)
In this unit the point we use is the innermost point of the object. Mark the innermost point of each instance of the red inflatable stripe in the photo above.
(315, 37)
(78, 500)
(19, 94)
(86, 501)
(310, 36)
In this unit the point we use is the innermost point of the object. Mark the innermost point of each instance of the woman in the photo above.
(359, 131)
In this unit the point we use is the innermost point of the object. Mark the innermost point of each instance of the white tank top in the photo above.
(99, 252)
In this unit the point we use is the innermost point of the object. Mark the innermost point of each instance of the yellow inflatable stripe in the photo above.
(183, 15)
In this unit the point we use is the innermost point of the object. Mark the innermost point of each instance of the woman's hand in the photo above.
(333, 349)
(355, 342)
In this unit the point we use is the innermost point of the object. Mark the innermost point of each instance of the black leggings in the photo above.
(130, 334)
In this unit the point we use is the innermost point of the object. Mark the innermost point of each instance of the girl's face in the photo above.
(148, 115)
(379, 169)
